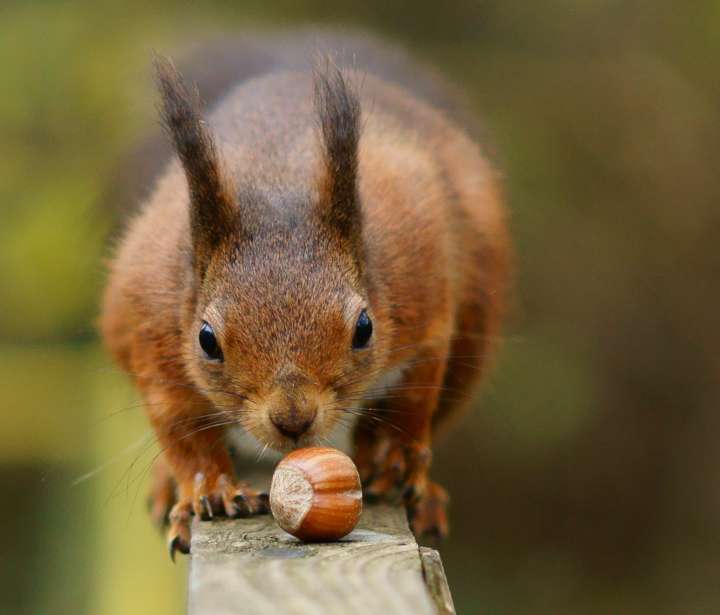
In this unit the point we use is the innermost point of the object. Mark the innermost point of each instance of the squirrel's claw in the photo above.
(428, 514)
(179, 532)
(201, 505)
(239, 499)
(176, 543)
(206, 508)
(252, 504)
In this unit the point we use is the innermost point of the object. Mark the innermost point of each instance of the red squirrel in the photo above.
(325, 244)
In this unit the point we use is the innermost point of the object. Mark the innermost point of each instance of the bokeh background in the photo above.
(588, 478)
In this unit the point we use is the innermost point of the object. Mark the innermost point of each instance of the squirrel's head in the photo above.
(281, 334)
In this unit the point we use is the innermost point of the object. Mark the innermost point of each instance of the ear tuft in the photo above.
(338, 109)
(211, 201)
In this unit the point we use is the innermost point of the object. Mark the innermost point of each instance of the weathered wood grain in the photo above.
(436, 581)
(251, 566)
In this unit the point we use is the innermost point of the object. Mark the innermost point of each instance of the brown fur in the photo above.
(303, 200)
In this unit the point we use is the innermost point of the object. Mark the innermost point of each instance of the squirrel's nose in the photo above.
(291, 422)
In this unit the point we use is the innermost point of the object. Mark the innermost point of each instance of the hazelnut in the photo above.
(315, 494)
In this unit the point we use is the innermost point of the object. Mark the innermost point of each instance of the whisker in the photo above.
(128, 472)
(262, 452)
(148, 436)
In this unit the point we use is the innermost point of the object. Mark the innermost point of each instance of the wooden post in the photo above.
(251, 566)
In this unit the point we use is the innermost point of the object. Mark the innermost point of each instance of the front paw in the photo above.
(221, 497)
(392, 467)
(227, 497)
(428, 514)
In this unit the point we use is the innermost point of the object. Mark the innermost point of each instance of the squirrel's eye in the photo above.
(209, 344)
(363, 331)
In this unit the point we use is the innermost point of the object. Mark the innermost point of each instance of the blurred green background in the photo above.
(588, 479)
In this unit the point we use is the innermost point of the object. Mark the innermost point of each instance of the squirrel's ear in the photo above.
(338, 108)
(212, 212)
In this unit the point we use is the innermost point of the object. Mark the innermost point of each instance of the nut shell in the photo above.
(316, 495)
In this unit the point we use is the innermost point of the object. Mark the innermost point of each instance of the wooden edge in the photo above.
(436, 581)
(251, 566)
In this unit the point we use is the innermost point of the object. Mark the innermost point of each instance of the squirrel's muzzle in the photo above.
(293, 420)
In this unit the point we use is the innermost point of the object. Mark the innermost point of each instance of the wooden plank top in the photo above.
(251, 566)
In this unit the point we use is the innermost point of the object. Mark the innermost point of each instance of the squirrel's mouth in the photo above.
(295, 413)
(260, 444)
